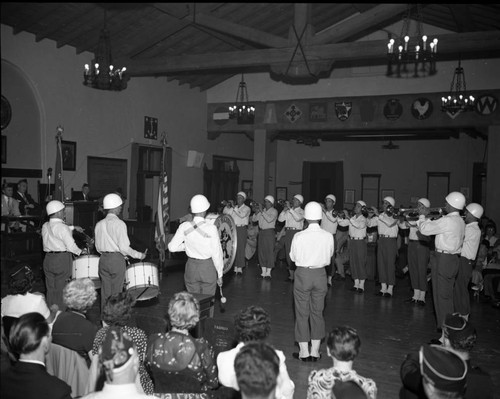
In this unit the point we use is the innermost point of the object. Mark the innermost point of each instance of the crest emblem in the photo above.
(293, 113)
(393, 109)
(421, 108)
(343, 110)
(486, 105)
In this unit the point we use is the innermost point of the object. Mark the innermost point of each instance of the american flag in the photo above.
(163, 207)
(59, 183)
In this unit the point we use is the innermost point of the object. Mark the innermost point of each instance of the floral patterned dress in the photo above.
(321, 383)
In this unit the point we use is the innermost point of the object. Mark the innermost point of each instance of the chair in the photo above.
(348, 390)
(69, 366)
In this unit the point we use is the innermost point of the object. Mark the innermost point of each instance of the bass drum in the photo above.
(228, 239)
(142, 281)
(87, 266)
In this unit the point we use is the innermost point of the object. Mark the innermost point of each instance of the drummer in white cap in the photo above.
(59, 247)
(200, 240)
(112, 242)
(241, 215)
(267, 222)
(293, 216)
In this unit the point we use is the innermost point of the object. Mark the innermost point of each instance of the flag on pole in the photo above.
(163, 215)
(59, 183)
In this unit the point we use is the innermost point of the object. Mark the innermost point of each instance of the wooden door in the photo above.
(322, 178)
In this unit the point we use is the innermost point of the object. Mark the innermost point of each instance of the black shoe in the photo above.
(387, 295)
(295, 355)
(380, 293)
(360, 291)
(421, 303)
(411, 300)
(435, 341)
(315, 358)
(354, 289)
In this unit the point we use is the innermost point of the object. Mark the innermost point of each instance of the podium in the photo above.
(83, 214)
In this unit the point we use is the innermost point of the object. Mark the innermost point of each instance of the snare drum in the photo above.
(142, 280)
(87, 266)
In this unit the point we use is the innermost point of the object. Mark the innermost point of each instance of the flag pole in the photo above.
(59, 178)
(162, 209)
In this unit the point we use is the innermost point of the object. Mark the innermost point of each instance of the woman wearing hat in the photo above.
(241, 215)
(267, 222)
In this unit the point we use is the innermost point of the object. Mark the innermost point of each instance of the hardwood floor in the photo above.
(389, 328)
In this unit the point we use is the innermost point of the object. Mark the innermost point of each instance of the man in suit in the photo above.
(82, 195)
(28, 378)
(27, 205)
(10, 206)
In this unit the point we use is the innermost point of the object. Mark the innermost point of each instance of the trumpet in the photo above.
(415, 210)
(227, 203)
(284, 203)
(256, 206)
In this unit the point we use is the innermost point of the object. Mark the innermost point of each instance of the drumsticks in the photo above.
(222, 297)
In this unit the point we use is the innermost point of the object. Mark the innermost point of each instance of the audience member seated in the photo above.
(30, 340)
(82, 195)
(72, 329)
(257, 367)
(27, 205)
(119, 359)
(178, 362)
(435, 372)
(252, 324)
(10, 207)
(117, 312)
(343, 347)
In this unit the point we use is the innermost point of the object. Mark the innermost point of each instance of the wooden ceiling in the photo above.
(203, 44)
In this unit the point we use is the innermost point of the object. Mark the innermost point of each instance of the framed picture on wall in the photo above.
(281, 193)
(349, 197)
(247, 188)
(68, 149)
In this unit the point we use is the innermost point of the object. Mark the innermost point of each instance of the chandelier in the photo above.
(242, 111)
(102, 74)
(411, 56)
(457, 99)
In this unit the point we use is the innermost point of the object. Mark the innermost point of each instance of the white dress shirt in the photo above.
(357, 226)
(266, 218)
(57, 236)
(240, 214)
(293, 218)
(18, 305)
(329, 222)
(472, 238)
(386, 225)
(202, 242)
(121, 391)
(449, 231)
(312, 247)
(111, 236)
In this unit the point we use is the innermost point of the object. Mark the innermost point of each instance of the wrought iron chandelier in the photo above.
(102, 74)
(242, 110)
(411, 57)
(457, 100)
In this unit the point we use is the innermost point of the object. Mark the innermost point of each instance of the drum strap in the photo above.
(196, 227)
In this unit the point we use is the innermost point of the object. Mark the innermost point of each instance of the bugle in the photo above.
(228, 203)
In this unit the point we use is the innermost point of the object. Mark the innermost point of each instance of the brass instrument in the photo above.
(284, 203)
(413, 213)
(256, 206)
(227, 203)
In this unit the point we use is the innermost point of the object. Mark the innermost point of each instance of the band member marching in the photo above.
(266, 239)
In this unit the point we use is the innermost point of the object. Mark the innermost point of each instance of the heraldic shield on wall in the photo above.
(343, 110)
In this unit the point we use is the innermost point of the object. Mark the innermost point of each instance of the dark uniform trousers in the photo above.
(387, 252)
(57, 267)
(200, 276)
(309, 291)
(357, 258)
(288, 245)
(444, 270)
(330, 268)
(266, 248)
(241, 234)
(461, 300)
(112, 269)
(418, 260)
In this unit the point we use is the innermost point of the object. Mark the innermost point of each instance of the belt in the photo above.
(110, 252)
(241, 225)
(415, 240)
(444, 252)
(468, 260)
(312, 267)
(57, 252)
(357, 238)
(292, 228)
(385, 236)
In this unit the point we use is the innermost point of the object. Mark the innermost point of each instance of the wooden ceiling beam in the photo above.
(462, 16)
(240, 31)
(53, 28)
(373, 17)
(373, 50)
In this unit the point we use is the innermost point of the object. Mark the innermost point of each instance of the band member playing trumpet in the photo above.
(265, 245)
(329, 222)
(418, 256)
(201, 242)
(241, 215)
(357, 245)
(387, 246)
(449, 231)
(293, 216)
(472, 238)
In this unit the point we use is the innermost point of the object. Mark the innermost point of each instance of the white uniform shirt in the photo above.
(472, 238)
(449, 231)
(386, 225)
(312, 247)
(240, 214)
(122, 391)
(413, 230)
(111, 236)
(202, 244)
(57, 236)
(18, 305)
(329, 222)
(293, 218)
(357, 226)
(266, 218)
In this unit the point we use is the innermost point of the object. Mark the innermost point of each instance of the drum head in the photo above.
(227, 234)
